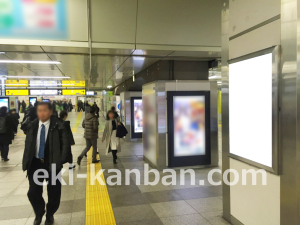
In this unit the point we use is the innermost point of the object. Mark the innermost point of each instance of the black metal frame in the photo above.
(133, 134)
(194, 160)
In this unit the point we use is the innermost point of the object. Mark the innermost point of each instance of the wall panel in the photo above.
(246, 14)
(78, 20)
(113, 21)
(177, 22)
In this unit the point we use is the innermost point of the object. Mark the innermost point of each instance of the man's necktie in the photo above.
(42, 143)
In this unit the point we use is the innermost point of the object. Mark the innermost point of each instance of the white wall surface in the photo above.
(255, 204)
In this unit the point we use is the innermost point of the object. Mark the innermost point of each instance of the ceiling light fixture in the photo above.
(37, 77)
(138, 58)
(109, 86)
(29, 62)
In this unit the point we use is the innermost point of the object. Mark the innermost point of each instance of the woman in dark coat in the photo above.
(8, 134)
(64, 115)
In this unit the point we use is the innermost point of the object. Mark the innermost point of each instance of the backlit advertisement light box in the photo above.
(32, 100)
(188, 128)
(4, 102)
(138, 115)
(189, 125)
(250, 109)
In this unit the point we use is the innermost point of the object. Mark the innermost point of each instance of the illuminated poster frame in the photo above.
(7, 98)
(32, 98)
(192, 160)
(272, 116)
(133, 133)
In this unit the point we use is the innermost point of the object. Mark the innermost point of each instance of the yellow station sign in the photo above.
(73, 92)
(16, 92)
(73, 83)
(16, 83)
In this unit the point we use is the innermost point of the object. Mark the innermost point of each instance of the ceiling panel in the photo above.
(160, 53)
(108, 66)
(108, 51)
(20, 48)
(132, 65)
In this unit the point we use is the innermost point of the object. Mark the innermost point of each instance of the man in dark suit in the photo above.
(46, 148)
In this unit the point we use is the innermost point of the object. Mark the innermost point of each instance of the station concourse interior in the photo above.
(207, 91)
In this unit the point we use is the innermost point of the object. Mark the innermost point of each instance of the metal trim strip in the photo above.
(255, 27)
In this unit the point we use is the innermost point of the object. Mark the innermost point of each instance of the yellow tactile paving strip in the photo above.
(77, 123)
(98, 207)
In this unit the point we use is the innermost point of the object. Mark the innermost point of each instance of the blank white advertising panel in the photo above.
(250, 109)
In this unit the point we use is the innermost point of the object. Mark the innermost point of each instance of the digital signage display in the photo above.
(4, 102)
(188, 128)
(189, 125)
(136, 117)
(32, 100)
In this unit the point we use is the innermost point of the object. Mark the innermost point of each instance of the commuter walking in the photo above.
(29, 117)
(87, 107)
(110, 135)
(65, 106)
(117, 117)
(96, 109)
(13, 113)
(7, 125)
(90, 125)
(23, 106)
(79, 105)
(70, 106)
(46, 149)
(64, 115)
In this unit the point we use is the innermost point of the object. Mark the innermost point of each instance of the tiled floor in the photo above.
(133, 204)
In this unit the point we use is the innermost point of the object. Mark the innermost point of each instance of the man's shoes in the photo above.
(79, 160)
(38, 220)
(97, 161)
(49, 220)
(5, 160)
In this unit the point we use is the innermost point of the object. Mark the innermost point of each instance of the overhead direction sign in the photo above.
(73, 92)
(17, 83)
(73, 83)
(16, 92)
